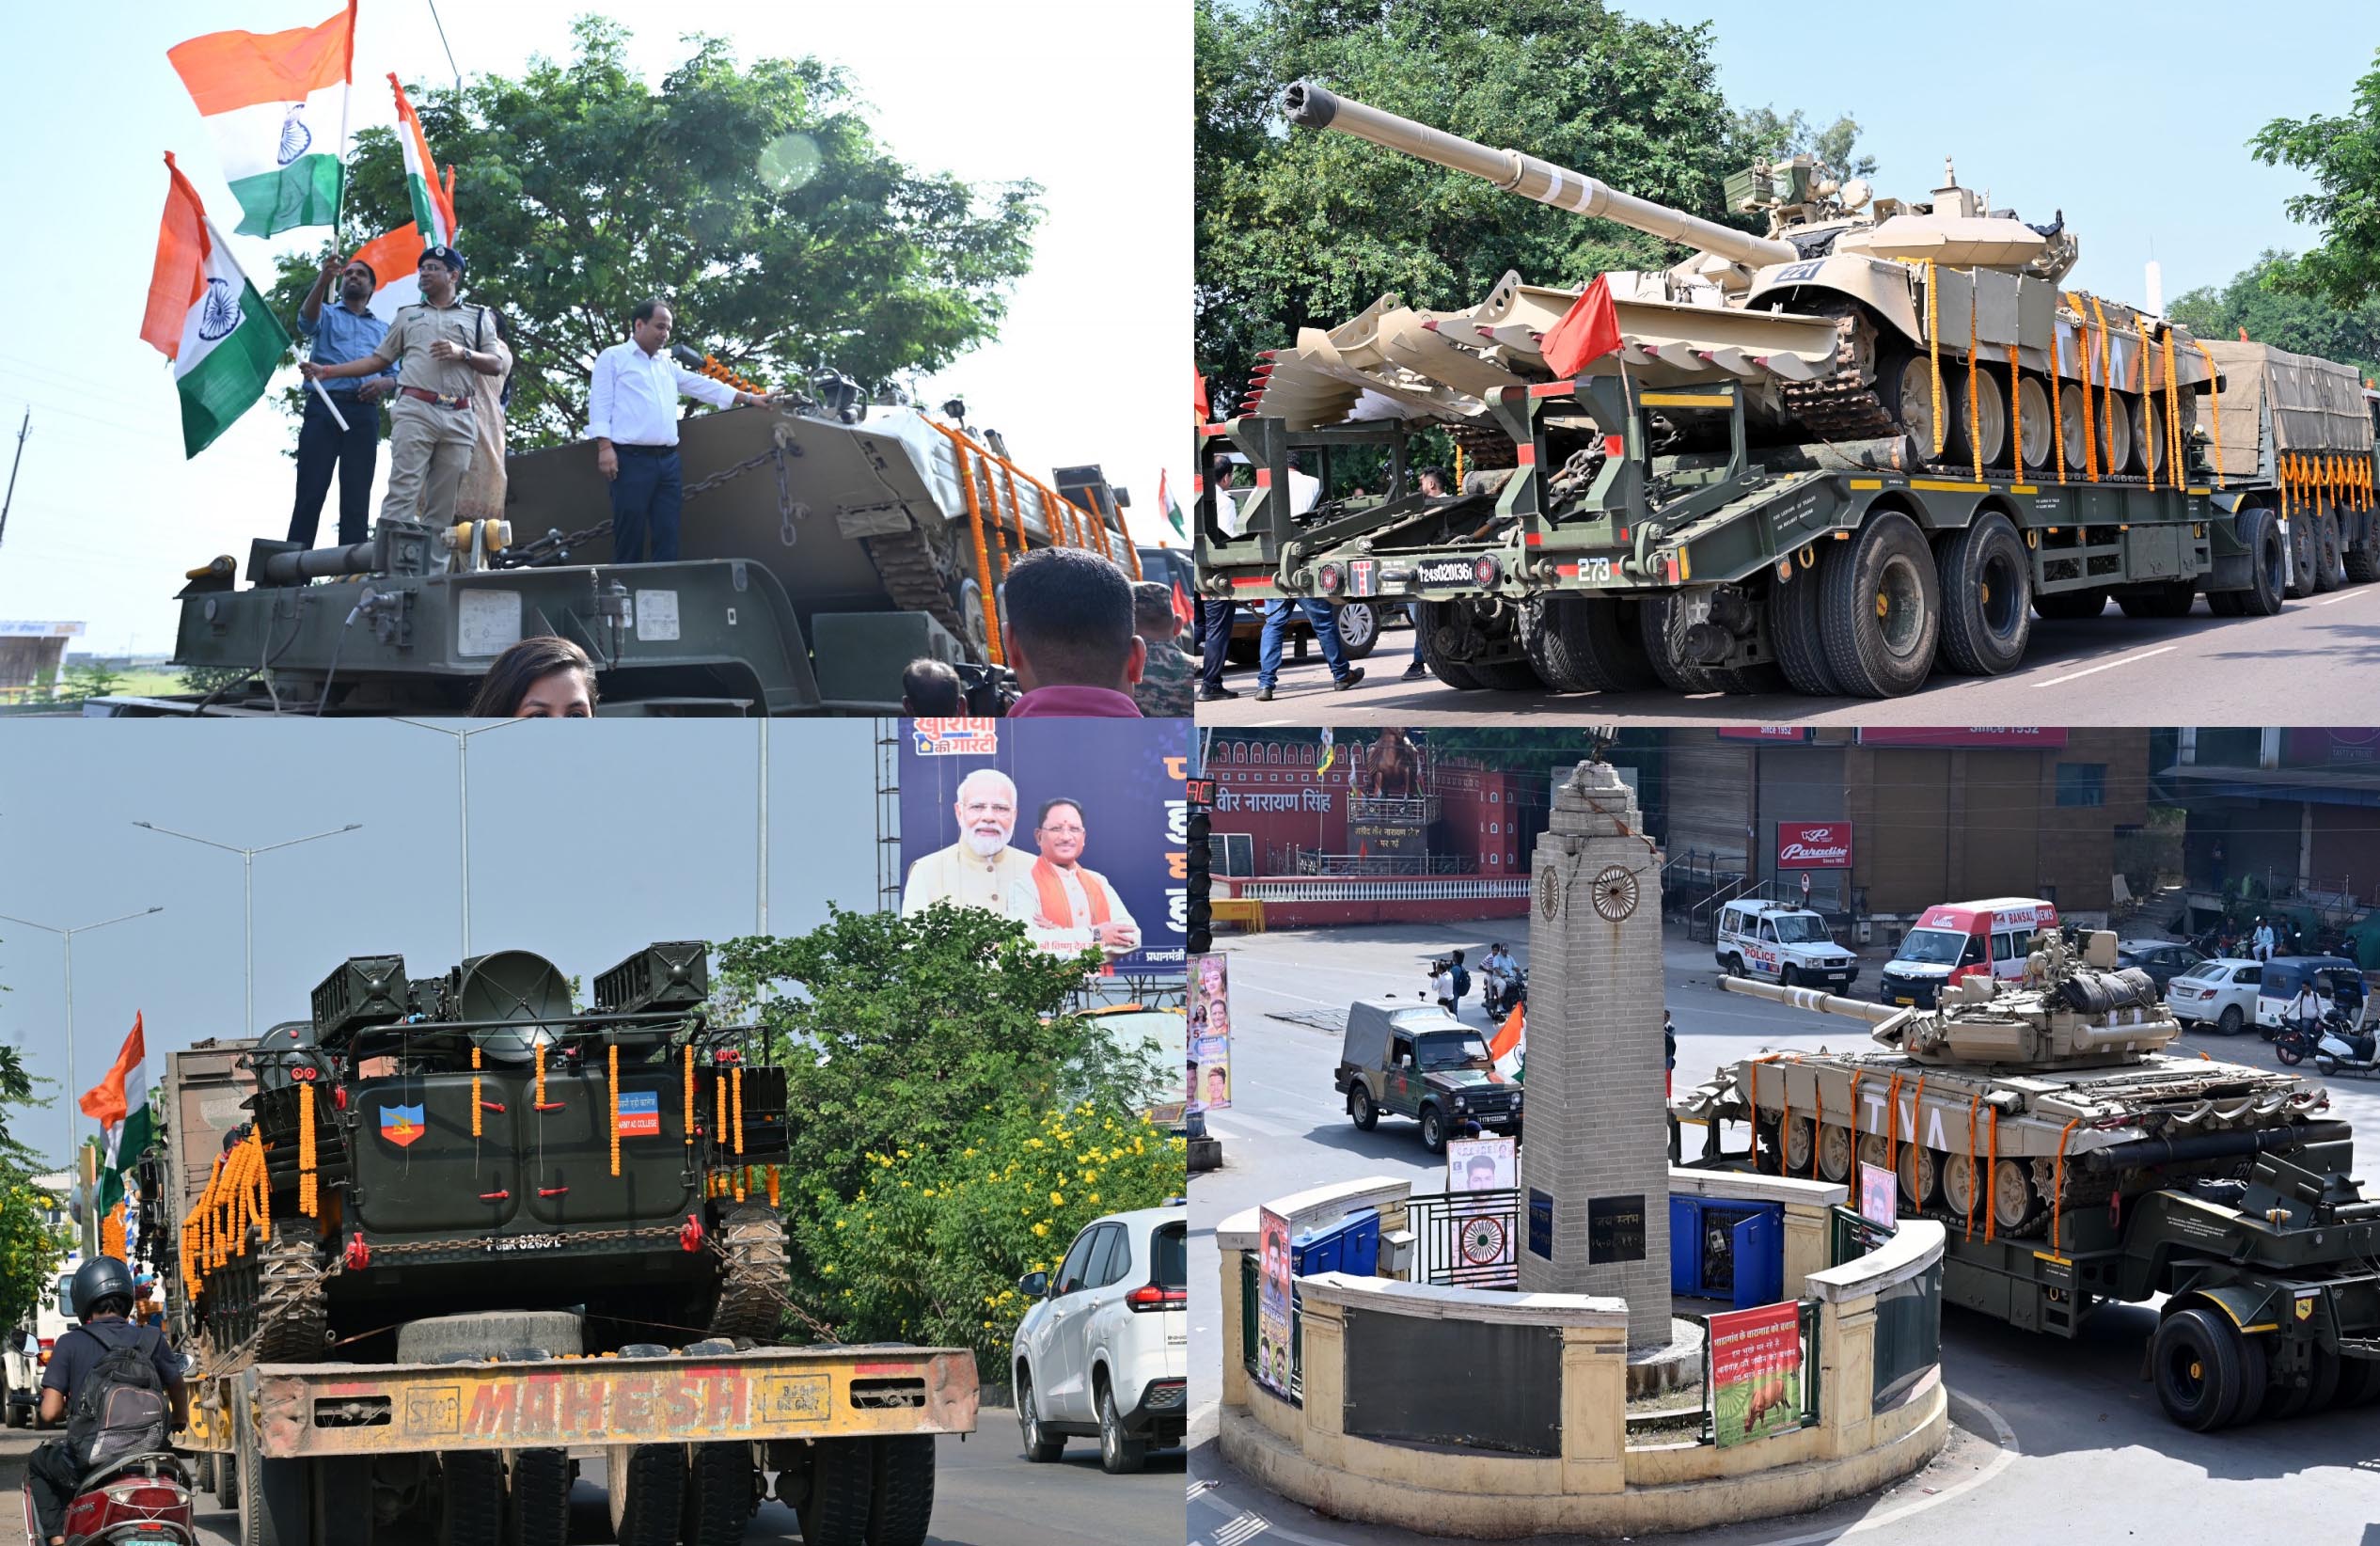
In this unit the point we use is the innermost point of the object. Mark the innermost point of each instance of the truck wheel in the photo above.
(342, 1502)
(2358, 1381)
(1882, 609)
(1041, 1445)
(842, 1489)
(1507, 676)
(1793, 624)
(2231, 1020)
(719, 1496)
(2170, 599)
(2068, 605)
(2330, 574)
(471, 1498)
(227, 1482)
(644, 1485)
(1359, 1107)
(901, 1501)
(2304, 549)
(2324, 1388)
(1577, 644)
(274, 1504)
(1660, 622)
(2252, 1376)
(2196, 1358)
(2285, 1398)
(2362, 560)
(1434, 618)
(2223, 603)
(1120, 1453)
(536, 1499)
(1987, 588)
(1433, 1130)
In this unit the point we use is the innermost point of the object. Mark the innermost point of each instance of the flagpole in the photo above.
(346, 98)
(73, 1095)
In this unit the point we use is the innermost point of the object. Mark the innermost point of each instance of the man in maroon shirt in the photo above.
(1069, 637)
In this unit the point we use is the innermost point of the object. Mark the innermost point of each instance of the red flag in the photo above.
(2243, 333)
(1588, 331)
(1185, 613)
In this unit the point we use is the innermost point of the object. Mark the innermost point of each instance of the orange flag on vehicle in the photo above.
(1509, 1037)
(1588, 331)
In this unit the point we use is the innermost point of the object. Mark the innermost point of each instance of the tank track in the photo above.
(1843, 406)
(272, 1307)
(914, 581)
(753, 1298)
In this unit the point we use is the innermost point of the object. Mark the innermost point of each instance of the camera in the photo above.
(989, 691)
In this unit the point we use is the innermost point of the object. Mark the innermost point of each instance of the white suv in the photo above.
(1786, 943)
(1106, 1352)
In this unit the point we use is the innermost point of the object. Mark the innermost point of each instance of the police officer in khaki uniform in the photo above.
(439, 345)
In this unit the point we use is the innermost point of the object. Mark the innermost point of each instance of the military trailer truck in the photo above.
(2074, 1163)
(453, 1236)
(1800, 468)
(1414, 1060)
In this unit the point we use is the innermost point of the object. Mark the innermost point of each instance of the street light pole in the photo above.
(68, 935)
(463, 803)
(248, 892)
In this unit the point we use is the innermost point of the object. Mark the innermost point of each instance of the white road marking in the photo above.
(2091, 670)
(2329, 601)
(1245, 1528)
(1202, 1484)
(2002, 1435)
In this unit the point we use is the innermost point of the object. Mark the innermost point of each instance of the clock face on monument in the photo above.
(1615, 893)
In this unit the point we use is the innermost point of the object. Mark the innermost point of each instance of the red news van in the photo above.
(1957, 940)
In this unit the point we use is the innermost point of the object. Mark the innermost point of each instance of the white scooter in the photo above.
(2339, 1050)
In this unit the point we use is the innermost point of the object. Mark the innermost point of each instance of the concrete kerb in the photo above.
(1600, 1484)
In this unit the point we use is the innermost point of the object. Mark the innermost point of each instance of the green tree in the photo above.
(2342, 154)
(755, 199)
(1762, 133)
(30, 1248)
(2260, 298)
(92, 680)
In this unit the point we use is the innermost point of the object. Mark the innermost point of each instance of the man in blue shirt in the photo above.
(344, 332)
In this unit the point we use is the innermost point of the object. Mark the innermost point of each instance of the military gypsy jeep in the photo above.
(1411, 1059)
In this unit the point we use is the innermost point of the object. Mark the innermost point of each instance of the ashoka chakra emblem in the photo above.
(1482, 1240)
(219, 313)
(1549, 891)
(295, 136)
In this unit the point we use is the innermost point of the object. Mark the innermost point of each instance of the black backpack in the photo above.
(119, 1406)
(1462, 981)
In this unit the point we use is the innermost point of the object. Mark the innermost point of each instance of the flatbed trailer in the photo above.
(329, 1452)
(1593, 562)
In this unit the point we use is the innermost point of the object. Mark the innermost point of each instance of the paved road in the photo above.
(2111, 670)
(2089, 1456)
(985, 1494)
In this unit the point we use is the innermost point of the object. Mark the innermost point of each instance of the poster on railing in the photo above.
(1756, 1372)
(1878, 1196)
(1483, 1234)
(1210, 1033)
(1274, 1331)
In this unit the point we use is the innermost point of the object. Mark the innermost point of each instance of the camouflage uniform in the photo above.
(1166, 681)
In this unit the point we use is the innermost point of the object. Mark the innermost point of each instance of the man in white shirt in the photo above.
(1066, 908)
(2263, 941)
(2305, 1011)
(980, 868)
(632, 417)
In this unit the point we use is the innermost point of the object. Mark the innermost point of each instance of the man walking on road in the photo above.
(1214, 643)
(345, 332)
(632, 417)
(1326, 632)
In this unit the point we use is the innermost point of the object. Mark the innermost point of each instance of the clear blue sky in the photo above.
(1072, 94)
(589, 841)
(2132, 116)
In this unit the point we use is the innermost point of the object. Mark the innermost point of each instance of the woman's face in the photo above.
(558, 695)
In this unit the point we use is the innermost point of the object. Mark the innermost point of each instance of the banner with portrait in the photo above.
(1210, 1083)
(1077, 828)
(1483, 1232)
(1276, 1333)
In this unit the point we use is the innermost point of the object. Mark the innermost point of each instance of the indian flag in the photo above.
(433, 206)
(120, 1104)
(1510, 1048)
(1166, 507)
(205, 317)
(277, 105)
(394, 260)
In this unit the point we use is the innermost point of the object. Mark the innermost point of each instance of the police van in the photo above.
(1783, 943)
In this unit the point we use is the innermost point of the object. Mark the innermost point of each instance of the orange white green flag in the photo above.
(120, 1104)
(205, 316)
(277, 103)
(433, 206)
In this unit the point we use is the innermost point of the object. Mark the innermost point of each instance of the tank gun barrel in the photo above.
(1311, 107)
(1814, 1001)
(2141, 1152)
(291, 568)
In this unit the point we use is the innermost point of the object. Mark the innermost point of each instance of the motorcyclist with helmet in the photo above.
(102, 1296)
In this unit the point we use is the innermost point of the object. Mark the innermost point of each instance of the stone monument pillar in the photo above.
(1593, 1159)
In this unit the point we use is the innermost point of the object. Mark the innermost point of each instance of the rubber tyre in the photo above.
(2223, 603)
(644, 1492)
(2330, 567)
(902, 1490)
(1360, 1109)
(1760, 677)
(1507, 676)
(471, 1499)
(1876, 656)
(1795, 629)
(2304, 553)
(2362, 564)
(717, 1501)
(2281, 1402)
(2068, 605)
(1455, 674)
(1660, 622)
(1787, 977)
(341, 1500)
(2270, 1033)
(274, 1506)
(1120, 1453)
(536, 1498)
(227, 1483)
(1361, 640)
(1987, 591)
(2325, 1062)
(2231, 1021)
(1577, 644)
(842, 1493)
(2173, 599)
(2287, 1053)
(2325, 1386)
(441, 1337)
(2358, 1382)
(1433, 1129)
(1040, 1447)
(2195, 1360)
(2253, 1373)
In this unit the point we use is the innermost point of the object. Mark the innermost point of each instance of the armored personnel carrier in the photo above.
(2012, 1104)
(474, 1142)
(1855, 318)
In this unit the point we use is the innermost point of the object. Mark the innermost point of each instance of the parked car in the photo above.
(2285, 974)
(2162, 959)
(1406, 1058)
(1783, 943)
(2218, 991)
(1359, 631)
(1105, 1351)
